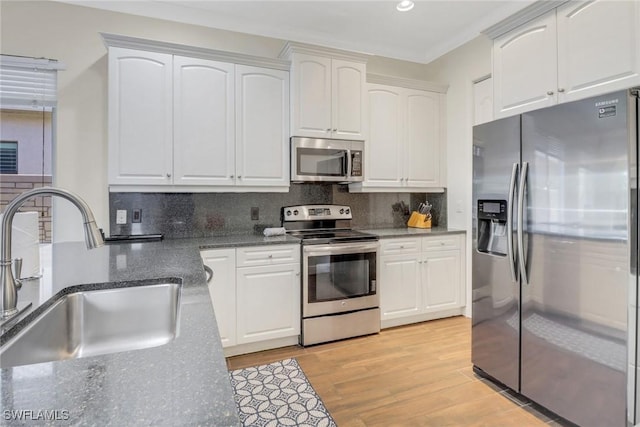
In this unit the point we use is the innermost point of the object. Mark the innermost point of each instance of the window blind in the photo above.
(27, 83)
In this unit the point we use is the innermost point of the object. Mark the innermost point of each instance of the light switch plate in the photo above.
(121, 216)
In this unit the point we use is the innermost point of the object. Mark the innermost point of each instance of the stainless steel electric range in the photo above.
(339, 271)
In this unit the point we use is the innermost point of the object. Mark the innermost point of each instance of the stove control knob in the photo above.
(347, 211)
(295, 212)
(341, 211)
(288, 213)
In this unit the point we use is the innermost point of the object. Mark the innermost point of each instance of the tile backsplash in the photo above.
(178, 215)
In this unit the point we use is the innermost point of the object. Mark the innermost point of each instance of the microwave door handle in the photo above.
(348, 169)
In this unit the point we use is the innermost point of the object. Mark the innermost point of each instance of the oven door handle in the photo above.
(342, 248)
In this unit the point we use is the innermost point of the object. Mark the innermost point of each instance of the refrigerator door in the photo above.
(495, 296)
(574, 303)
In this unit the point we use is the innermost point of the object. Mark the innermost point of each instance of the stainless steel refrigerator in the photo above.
(555, 255)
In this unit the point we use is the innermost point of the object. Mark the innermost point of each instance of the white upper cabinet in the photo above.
(311, 96)
(194, 124)
(204, 128)
(483, 101)
(422, 136)
(525, 67)
(348, 99)
(598, 48)
(140, 117)
(262, 123)
(384, 160)
(578, 50)
(328, 94)
(405, 140)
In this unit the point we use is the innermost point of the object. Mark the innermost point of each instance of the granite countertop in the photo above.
(385, 233)
(183, 382)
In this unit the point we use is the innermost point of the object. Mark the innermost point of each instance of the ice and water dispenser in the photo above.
(492, 227)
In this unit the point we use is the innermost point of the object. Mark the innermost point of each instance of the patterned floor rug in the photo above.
(278, 394)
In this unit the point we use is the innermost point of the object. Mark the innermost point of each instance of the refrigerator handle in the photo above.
(510, 253)
(520, 231)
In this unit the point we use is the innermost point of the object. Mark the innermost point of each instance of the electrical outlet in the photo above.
(121, 217)
(136, 215)
(255, 213)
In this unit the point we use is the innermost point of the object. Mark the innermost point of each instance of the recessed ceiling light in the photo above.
(405, 5)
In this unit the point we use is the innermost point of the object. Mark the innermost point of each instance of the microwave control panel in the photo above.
(356, 163)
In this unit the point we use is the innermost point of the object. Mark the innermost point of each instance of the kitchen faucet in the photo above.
(92, 237)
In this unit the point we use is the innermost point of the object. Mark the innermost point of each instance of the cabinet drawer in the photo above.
(399, 246)
(267, 255)
(440, 243)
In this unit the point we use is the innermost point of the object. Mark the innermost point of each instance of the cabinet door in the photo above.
(483, 101)
(598, 48)
(268, 302)
(140, 117)
(441, 280)
(348, 99)
(222, 290)
(383, 154)
(400, 290)
(311, 96)
(262, 123)
(422, 139)
(204, 125)
(525, 67)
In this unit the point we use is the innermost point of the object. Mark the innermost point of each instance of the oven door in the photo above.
(338, 278)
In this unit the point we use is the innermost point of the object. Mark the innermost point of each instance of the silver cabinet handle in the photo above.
(208, 272)
(523, 180)
(239, 176)
(561, 90)
(335, 130)
(232, 176)
(168, 175)
(510, 253)
(550, 92)
(329, 130)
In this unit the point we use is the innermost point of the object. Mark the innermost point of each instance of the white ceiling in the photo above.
(430, 30)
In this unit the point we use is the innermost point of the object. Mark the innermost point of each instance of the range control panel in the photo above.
(316, 212)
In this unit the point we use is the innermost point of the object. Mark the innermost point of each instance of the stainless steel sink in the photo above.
(96, 322)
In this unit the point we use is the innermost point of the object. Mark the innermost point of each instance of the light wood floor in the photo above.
(416, 375)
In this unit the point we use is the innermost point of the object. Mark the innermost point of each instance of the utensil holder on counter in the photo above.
(418, 220)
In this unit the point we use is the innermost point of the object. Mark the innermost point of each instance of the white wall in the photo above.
(70, 34)
(460, 68)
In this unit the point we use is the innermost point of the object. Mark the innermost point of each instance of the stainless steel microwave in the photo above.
(330, 160)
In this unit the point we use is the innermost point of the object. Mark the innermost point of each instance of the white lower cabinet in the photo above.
(441, 280)
(269, 299)
(255, 292)
(421, 278)
(222, 290)
(400, 290)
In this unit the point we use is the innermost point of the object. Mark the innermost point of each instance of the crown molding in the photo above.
(522, 17)
(407, 83)
(294, 47)
(116, 40)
